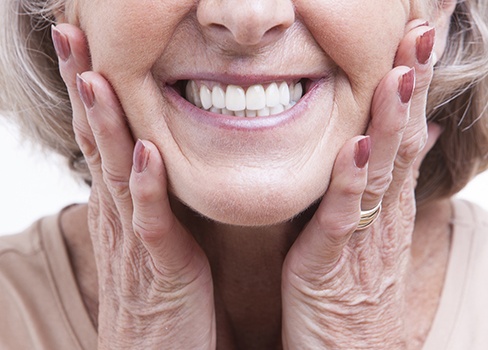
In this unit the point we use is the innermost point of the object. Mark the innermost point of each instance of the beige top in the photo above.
(41, 307)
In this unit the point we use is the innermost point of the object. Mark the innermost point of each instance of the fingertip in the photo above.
(85, 92)
(362, 152)
(406, 86)
(148, 180)
(141, 157)
(61, 44)
(340, 205)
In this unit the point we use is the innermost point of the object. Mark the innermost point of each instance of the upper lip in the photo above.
(242, 80)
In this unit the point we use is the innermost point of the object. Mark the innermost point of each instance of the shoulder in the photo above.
(470, 220)
(469, 214)
(470, 239)
(466, 280)
(22, 244)
(27, 294)
(462, 315)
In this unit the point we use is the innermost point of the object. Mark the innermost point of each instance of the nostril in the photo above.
(219, 27)
(245, 23)
(275, 31)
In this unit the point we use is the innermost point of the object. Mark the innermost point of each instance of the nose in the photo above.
(245, 22)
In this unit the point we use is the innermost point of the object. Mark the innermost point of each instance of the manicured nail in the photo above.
(141, 157)
(86, 92)
(61, 44)
(424, 46)
(406, 86)
(363, 152)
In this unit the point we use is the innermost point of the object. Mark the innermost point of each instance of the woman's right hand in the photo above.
(155, 283)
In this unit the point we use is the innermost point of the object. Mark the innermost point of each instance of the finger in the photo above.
(320, 245)
(112, 137)
(434, 131)
(389, 117)
(170, 246)
(415, 50)
(73, 57)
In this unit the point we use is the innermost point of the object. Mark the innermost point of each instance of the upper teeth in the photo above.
(235, 100)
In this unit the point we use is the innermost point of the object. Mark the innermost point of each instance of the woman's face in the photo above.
(234, 169)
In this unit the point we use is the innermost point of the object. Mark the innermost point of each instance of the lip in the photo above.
(244, 123)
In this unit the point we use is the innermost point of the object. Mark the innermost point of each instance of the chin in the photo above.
(253, 204)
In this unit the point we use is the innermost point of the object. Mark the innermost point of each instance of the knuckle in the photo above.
(118, 185)
(146, 229)
(338, 226)
(411, 148)
(379, 183)
(108, 229)
(143, 194)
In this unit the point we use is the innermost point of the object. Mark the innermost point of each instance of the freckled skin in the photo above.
(247, 178)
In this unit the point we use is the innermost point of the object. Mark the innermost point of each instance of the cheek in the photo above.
(361, 37)
(127, 36)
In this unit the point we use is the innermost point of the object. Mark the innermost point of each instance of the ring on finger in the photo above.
(368, 217)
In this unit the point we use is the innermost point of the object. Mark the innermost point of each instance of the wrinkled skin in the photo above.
(340, 288)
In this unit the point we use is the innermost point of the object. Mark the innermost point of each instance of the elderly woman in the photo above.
(264, 174)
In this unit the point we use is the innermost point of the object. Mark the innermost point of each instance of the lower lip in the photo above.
(243, 123)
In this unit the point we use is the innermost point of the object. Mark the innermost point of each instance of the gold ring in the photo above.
(368, 217)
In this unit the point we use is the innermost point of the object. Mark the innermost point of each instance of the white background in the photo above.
(33, 184)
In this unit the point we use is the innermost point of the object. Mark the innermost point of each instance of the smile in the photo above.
(259, 100)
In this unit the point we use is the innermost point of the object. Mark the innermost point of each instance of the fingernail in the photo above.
(86, 92)
(61, 44)
(141, 157)
(406, 86)
(363, 152)
(424, 46)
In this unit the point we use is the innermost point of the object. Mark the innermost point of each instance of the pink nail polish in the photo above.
(424, 46)
(86, 92)
(406, 86)
(61, 44)
(141, 157)
(363, 152)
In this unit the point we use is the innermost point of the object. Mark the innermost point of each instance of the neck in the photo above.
(246, 266)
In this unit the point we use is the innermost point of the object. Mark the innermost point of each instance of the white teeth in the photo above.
(227, 112)
(255, 97)
(292, 103)
(284, 94)
(272, 95)
(263, 112)
(297, 92)
(205, 97)
(276, 109)
(189, 93)
(216, 110)
(251, 102)
(218, 97)
(192, 94)
(235, 98)
(251, 113)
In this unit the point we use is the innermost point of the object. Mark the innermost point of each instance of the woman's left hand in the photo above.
(343, 288)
